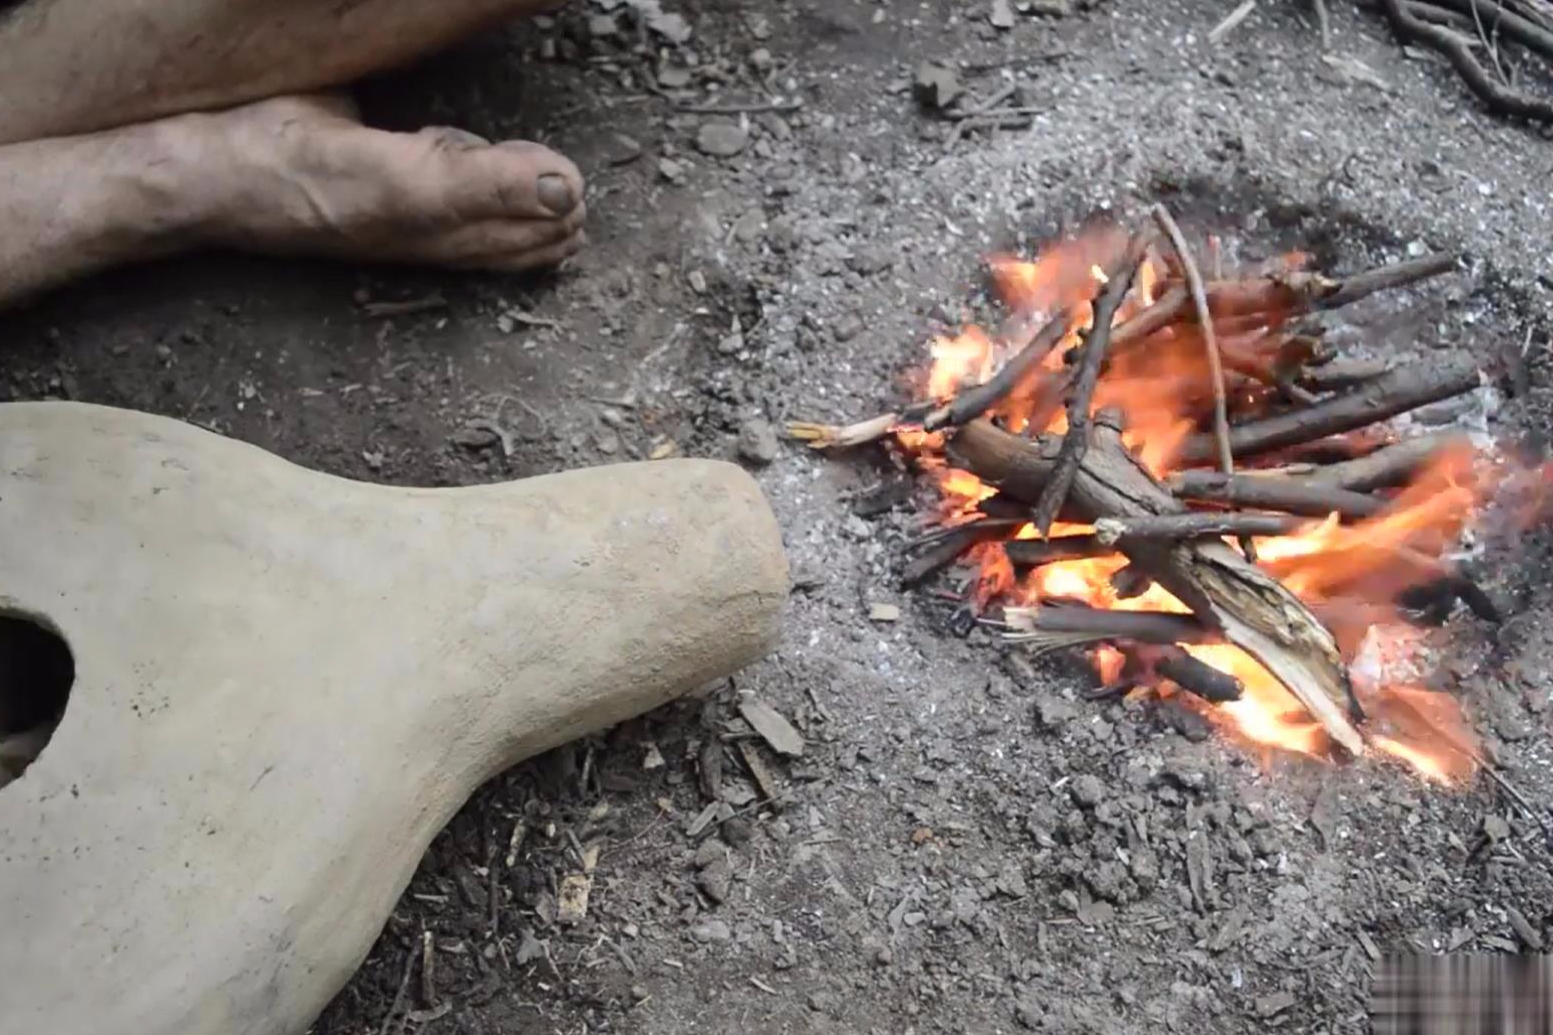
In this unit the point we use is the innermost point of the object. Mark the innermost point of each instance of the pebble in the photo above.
(716, 881)
(621, 149)
(758, 442)
(847, 327)
(1088, 791)
(671, 170)
(1053, 712)
(721, 139)
(712, 931)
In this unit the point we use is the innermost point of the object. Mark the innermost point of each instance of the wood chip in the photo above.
(1523, 929)
(772, 727)
(770, 787)
(878, 612)
(572, 902)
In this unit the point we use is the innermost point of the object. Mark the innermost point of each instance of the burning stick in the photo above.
(1076, 441)
(1275, 296)
(1288, 495)
(1381, 399)
(947, 548)
(1252, 610)
(1177, 527)
(1052, 626)
(1392, 465)
(1194, 284)
(973, 402)
(1032, 553)
(1189, 673)
(1338, 374)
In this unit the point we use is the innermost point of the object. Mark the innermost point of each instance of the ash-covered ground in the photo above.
(965, 845)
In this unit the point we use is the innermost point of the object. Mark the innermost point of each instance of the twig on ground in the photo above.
(1194, 284)
(1076, 442)
(404, 988)
(1231, 22)
(752, 108)
(1498, 98)
(1324, 19)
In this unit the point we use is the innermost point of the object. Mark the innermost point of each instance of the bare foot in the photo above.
(301, 175)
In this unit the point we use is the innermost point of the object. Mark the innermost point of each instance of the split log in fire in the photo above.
(1072, 452)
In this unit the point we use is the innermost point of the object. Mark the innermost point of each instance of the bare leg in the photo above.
(75, 66)
(288, 175)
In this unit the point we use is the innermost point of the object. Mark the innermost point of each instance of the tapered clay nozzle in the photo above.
(286, 683)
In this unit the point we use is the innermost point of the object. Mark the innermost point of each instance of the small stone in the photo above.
(652, 758)
(621, 149)
(1053, 713)
(760, 59)
(671, 171)
(474, 438)
(1087, 791)
(640, 993)
(847, 327)
(935, 85)
(871, 260)
(1028, 1011)
(1048, 8)
(602, 26)
(758, 442)
(721, 139)
(750, 226)
(1002, 16)
(711, 851)
(712, 931)
(716, 880)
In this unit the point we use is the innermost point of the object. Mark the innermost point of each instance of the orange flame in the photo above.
(1348, 573)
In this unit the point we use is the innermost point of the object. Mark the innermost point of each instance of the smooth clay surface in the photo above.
(287, 682)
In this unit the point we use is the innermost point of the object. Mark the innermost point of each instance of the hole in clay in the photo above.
(36, 671)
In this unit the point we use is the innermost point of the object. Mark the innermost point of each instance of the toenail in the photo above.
(556, 194)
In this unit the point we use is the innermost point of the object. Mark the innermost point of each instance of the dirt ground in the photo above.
(965, 846)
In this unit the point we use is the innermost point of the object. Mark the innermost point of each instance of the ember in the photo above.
(1068, 449)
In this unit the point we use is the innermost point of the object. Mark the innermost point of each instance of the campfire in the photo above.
(1174, 472)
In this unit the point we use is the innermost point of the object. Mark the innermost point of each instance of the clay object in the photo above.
(286, 683)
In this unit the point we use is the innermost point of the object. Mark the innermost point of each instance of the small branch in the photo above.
(1384, 468)
(1342, 373)
(973, 402)
(1231, 22)
(1054, 626)
(1381, 399)
(1190, 674)
(1324, 19)
(1499, 99)
(946, 550)
(1287, 495)
(1033, 553)
(1386, 278)
(832, 436)
(1194, 284)
(753, 108)
(1076, 442)
(1173, 527)
(1522, 30)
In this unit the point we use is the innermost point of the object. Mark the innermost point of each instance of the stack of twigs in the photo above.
(1274, 402)
(1478, 38)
